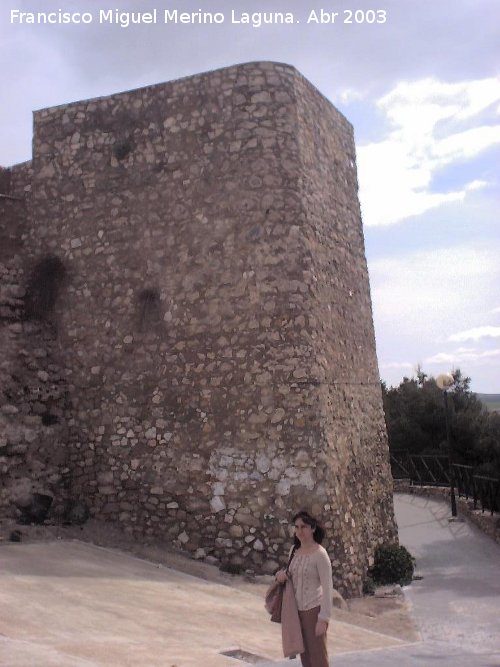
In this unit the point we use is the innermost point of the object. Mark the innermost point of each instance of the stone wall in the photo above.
(350, 410)
(33, 397)
(214, 321)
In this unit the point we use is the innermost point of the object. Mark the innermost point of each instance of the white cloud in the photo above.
(475, 334)
(476, 185)
(395, 174)
(429, 305)
(396, 365)
(350, 95)
(460, 357)
(423, 293)
(441, 358)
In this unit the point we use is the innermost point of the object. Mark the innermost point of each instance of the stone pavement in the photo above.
(425, 654)
(69, 604)
(458, 599)
(456, 603)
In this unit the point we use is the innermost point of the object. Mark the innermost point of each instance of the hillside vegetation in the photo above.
(491, 401)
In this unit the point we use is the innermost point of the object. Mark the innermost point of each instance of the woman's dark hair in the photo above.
(319, 531)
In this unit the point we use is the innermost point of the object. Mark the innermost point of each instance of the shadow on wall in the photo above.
(148, 306)
(43, 288)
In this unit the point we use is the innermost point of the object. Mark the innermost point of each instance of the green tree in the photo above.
(489, 446)
(414, 413)
(414, 416)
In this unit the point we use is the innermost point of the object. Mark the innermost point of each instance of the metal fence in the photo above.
(434, 470)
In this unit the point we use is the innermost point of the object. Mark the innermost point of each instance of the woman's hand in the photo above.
(321, 628)
(281, 576)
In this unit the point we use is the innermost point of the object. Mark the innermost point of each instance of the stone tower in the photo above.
(213, 317)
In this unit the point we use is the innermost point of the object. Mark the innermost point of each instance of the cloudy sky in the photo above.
(418, 79)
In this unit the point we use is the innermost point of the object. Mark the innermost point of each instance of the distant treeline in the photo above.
(491, 401)
(414, 413)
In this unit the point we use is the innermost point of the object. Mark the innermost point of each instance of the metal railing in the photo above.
(434, 470)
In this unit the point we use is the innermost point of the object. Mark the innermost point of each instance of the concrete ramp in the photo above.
(71, 604)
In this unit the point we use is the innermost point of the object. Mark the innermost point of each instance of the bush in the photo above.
(393, 565)
(368, 586)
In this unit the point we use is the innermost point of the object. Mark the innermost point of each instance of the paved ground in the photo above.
(69, 604)
(458, 599)
(456, 603)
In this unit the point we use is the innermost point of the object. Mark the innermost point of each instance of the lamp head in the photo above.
(445, 380)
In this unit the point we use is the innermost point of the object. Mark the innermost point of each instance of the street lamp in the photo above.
(445, 382)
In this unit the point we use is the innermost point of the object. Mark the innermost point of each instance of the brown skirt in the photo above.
(315, 654)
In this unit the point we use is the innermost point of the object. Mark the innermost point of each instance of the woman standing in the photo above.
(311, 573)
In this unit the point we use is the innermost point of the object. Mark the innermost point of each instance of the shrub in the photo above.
(368, 586)
(393, 565)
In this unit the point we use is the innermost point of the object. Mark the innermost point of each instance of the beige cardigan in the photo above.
(311, 576)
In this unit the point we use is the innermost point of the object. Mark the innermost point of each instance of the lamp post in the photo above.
(445, 382)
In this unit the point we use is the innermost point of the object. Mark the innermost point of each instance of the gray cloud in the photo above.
(451, 40)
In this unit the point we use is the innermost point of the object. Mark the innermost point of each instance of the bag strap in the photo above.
(292, 554)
